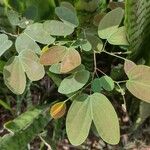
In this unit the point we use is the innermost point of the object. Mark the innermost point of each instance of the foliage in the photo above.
(60, 46)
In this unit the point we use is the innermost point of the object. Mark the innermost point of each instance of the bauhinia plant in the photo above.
(64, 42)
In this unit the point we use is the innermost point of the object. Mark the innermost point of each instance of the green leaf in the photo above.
(14, 76)
(74, 82)
(110, 23)
(38, 33)
(5, 105)
(119, 37)
(139, 82)
(79, 120)
(30, 62)
(68, 5)
(55, 68)
(95, 107)
(104, 82)
(25, 127)
(16, 20)
(4, 43)
(24, 42)
(67, 16)
(15, 68)
(58, 28)
(105, 118)
(95, 42)
(86, 45)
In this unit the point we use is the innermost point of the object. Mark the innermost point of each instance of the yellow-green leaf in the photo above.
(30, 62)
(74, 82)
(105, 118)
(139, 82)
(119, 37)
(79, 120)
(14, 76)
(110, 23)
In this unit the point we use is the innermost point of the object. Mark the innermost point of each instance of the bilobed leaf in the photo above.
(37, 32)
(104, 82)
(139, 82)
(4, 43)
(79, 120)
(24, 42)
(58, 28)
(110, 23)
(128, 65)
(74, 82)
(119, 37)
(31, 65)
(68, 5)
(16, 67)
(58, 110)
(67, 16)
(68, 58)
(14, 76)
(86, 45)
(86, 109)
(105, 118)
(17, 20)
(94, 40)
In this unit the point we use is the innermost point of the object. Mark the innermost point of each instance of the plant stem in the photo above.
(112, 54)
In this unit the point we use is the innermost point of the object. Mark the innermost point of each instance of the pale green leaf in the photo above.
(74, 82)
(57, 28)
(86, 45)
(68, 5)
(91, 35)
(14, 76)
(104, 82)
(79, 120)
(55, 68)
(110, 23)
(4, 43)
(119, 37)
(24, 42)
(95, 107)
(31, 65)
(105, 118)
(139, 82)
(37, 33)
(67, 16)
